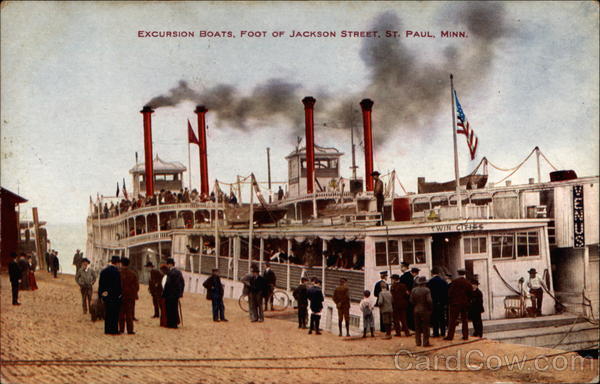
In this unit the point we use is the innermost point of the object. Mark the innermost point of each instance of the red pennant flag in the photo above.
(191, 135)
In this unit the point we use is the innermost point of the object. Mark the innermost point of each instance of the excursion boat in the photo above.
(497, 233)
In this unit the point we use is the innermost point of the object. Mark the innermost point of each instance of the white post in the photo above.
(537, 155)
(262, 252)
(314, 196)
(323, 263)
(289, 252)
(200, 250)
(251, 222)
(217, 240)
(456, 171)
(189, 168)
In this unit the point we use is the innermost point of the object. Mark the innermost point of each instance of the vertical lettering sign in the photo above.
(578, 224)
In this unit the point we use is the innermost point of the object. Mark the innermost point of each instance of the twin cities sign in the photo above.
(578, 224)
(463, 227)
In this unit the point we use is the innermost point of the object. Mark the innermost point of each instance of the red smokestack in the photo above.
(201, 112)
(367, 105)
(149, 166)
(309, 104)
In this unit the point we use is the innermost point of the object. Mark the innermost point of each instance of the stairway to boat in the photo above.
(564, 331)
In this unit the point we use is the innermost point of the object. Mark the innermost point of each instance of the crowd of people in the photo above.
(412, 302)
(118, 288)
(163, 197)
(21, 271)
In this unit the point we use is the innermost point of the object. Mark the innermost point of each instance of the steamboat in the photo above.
(328, 226)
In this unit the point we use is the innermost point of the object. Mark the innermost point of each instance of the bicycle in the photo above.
(281, 300)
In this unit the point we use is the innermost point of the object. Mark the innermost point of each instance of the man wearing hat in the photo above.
(270, 280)
(376, 290)
(536, 289)
(420, 298)
(301, 296)
(155, 287)
(407, 277)
(459, 297)
(215, 292)
(109, 290)
(476, 309)
(257, 291)
(378, 192)
(85, 278)
(172, 291)
(341, 298)
(439, 296)
(315, 295)
(400, 296)
(77, 260)
(130, 286)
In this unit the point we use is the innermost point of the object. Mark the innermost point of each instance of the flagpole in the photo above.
(189, 168)
(456, 172)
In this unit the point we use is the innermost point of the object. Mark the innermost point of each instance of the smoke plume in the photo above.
(409, 90)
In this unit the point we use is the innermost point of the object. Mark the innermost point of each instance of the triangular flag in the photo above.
(191, 135)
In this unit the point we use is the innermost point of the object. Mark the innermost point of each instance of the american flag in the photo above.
(462, 126)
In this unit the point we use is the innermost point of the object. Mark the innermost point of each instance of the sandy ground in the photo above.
(50, 325)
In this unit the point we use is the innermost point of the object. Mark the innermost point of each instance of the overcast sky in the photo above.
(75, 76)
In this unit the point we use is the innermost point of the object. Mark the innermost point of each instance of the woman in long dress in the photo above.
(31, 275)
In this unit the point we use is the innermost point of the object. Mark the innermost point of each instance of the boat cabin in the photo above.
(167, 176)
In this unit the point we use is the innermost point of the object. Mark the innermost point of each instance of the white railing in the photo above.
(156, 208)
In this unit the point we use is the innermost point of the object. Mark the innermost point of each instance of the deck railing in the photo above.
(288, 275)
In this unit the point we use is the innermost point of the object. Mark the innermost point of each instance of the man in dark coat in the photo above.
(54, 263)
(109, 290)
(439, 296)
(24, 268)
(155, 287)
(378, 192)
(476, 309)
(315, 295)
(215, 293)
(172, 291)
(341, 298)
(257, 291)
(301, 296)
(407, 277)
(14, 273)
(459, 297)
(420, 298)
(270, 280)
(47, 259)
(77, 260)
(130, 286)
(400, 296)
(376, 290)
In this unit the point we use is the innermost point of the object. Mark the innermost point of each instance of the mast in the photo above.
(251, 222)
(456, 172)
(353, 167)
(269, 171)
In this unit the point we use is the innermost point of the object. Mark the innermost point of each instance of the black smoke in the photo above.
(408, 88)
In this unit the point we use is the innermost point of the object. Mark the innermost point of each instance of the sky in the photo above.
(74, 76)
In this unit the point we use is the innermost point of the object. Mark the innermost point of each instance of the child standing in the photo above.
(366, 307)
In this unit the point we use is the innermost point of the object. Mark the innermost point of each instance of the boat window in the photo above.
(408, 255)
(413, 251)
(419, 251)
(503, 246)
(380, 258)
(528, 244)
(475, 245)
(393, 252)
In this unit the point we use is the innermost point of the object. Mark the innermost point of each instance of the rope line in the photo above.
(259, 358)
(548, 161)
